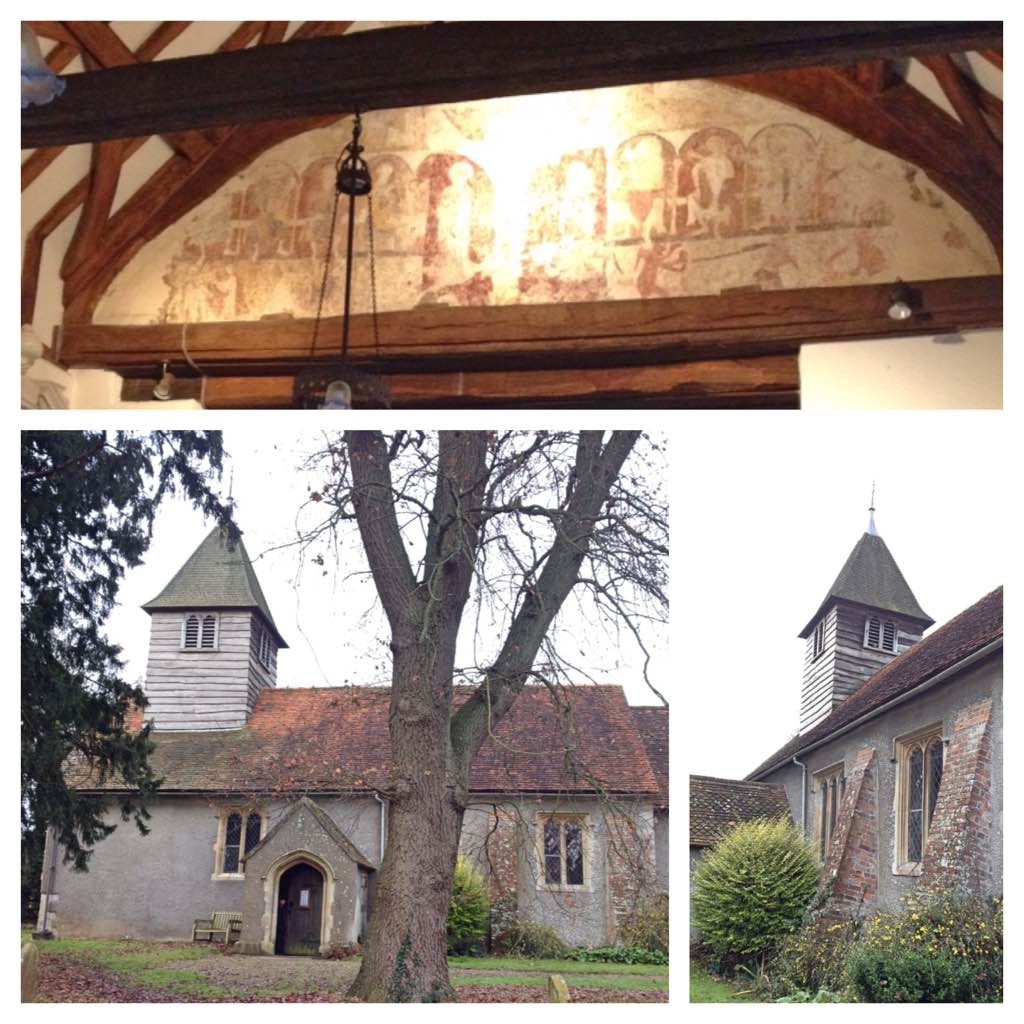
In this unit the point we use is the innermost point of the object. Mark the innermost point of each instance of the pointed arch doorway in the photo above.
(300, 903)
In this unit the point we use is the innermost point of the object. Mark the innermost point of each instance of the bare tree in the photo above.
(508, 524)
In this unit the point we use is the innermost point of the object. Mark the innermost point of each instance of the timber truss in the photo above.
(218, 112)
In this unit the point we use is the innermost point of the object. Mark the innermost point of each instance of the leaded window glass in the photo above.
(915, 827)
(232, 843)
(919, 764)
(573, 853)
(831, 785)
(564, 853)
(934, 776)
(552, 852)
(253, 828)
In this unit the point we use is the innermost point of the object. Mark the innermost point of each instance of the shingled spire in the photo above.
(213, 641)
(868, 617)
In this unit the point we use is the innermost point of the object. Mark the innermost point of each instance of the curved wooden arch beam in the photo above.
(177, 187)
(900, 120)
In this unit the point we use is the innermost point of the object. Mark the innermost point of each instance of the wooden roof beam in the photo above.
(954, 85)
(398, 67)
(546, 336)
(765, 382)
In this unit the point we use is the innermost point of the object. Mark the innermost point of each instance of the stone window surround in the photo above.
(822, 779)
(223, 814)
(903, 747)
(583, 819)
(200, 617)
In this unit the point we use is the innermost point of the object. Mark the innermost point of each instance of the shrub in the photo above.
(646, 925)
(912, 976)
(469, 910)
(619, 955)
(752, 888)
(941, 947)
(534, 941)
(813, 958)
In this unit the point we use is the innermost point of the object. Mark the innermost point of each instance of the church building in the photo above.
(896, 770)
(274, 800)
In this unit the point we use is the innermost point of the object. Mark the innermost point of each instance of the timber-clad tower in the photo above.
(213, 642)
(868, 617)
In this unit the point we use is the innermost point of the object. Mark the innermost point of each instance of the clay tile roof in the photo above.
(652, 725)
(970, 631)
(871, 577)
(336, 739)
(218, 574)
(718, 804)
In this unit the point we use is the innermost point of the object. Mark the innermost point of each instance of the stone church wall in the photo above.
(154, 886)
(979, 823)
(620, 856)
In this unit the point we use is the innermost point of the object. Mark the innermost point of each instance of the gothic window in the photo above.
(199, 632)
(563, 851)
(830, 786)
(880, 634)
(919, 761)
(238, 834)
(819, 638)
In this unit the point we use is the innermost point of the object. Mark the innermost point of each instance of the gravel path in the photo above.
(284, 973)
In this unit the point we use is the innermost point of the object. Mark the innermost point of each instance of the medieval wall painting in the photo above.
(647, 191)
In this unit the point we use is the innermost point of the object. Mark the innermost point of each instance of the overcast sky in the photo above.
(768, 514)
(334, 628)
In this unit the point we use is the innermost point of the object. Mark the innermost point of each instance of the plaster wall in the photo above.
(154, 886)
(940, 704)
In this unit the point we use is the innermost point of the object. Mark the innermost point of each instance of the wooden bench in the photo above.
(224, 923)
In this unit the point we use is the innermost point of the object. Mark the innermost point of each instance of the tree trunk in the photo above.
(405, 959)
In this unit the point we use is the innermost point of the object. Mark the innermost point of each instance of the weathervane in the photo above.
(871, 512)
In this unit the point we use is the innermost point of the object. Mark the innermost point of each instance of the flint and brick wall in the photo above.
(850, 874)
(960, 835)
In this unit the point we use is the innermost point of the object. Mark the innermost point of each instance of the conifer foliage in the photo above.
(753, 887)
(88, 500)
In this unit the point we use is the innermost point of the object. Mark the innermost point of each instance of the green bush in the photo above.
(619, 955)
(753, 887)
(469, 910)
(534, 941)
(813, 958)
(912, 976)
(646, 925)
(940, 948)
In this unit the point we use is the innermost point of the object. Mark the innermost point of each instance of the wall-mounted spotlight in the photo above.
(899, 303)
(164, 386)
(337, 396)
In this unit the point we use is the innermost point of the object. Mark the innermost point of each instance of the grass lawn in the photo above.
(706, 989)
(109, 969)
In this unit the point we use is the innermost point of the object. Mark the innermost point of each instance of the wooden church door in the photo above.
(299, 911)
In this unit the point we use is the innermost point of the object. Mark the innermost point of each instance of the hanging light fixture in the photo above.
(331, 386)
(38, 82)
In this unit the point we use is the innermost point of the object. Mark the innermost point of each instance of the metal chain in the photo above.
(327, 268)
(373, 277)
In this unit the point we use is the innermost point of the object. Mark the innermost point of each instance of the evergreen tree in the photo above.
(88, 499)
